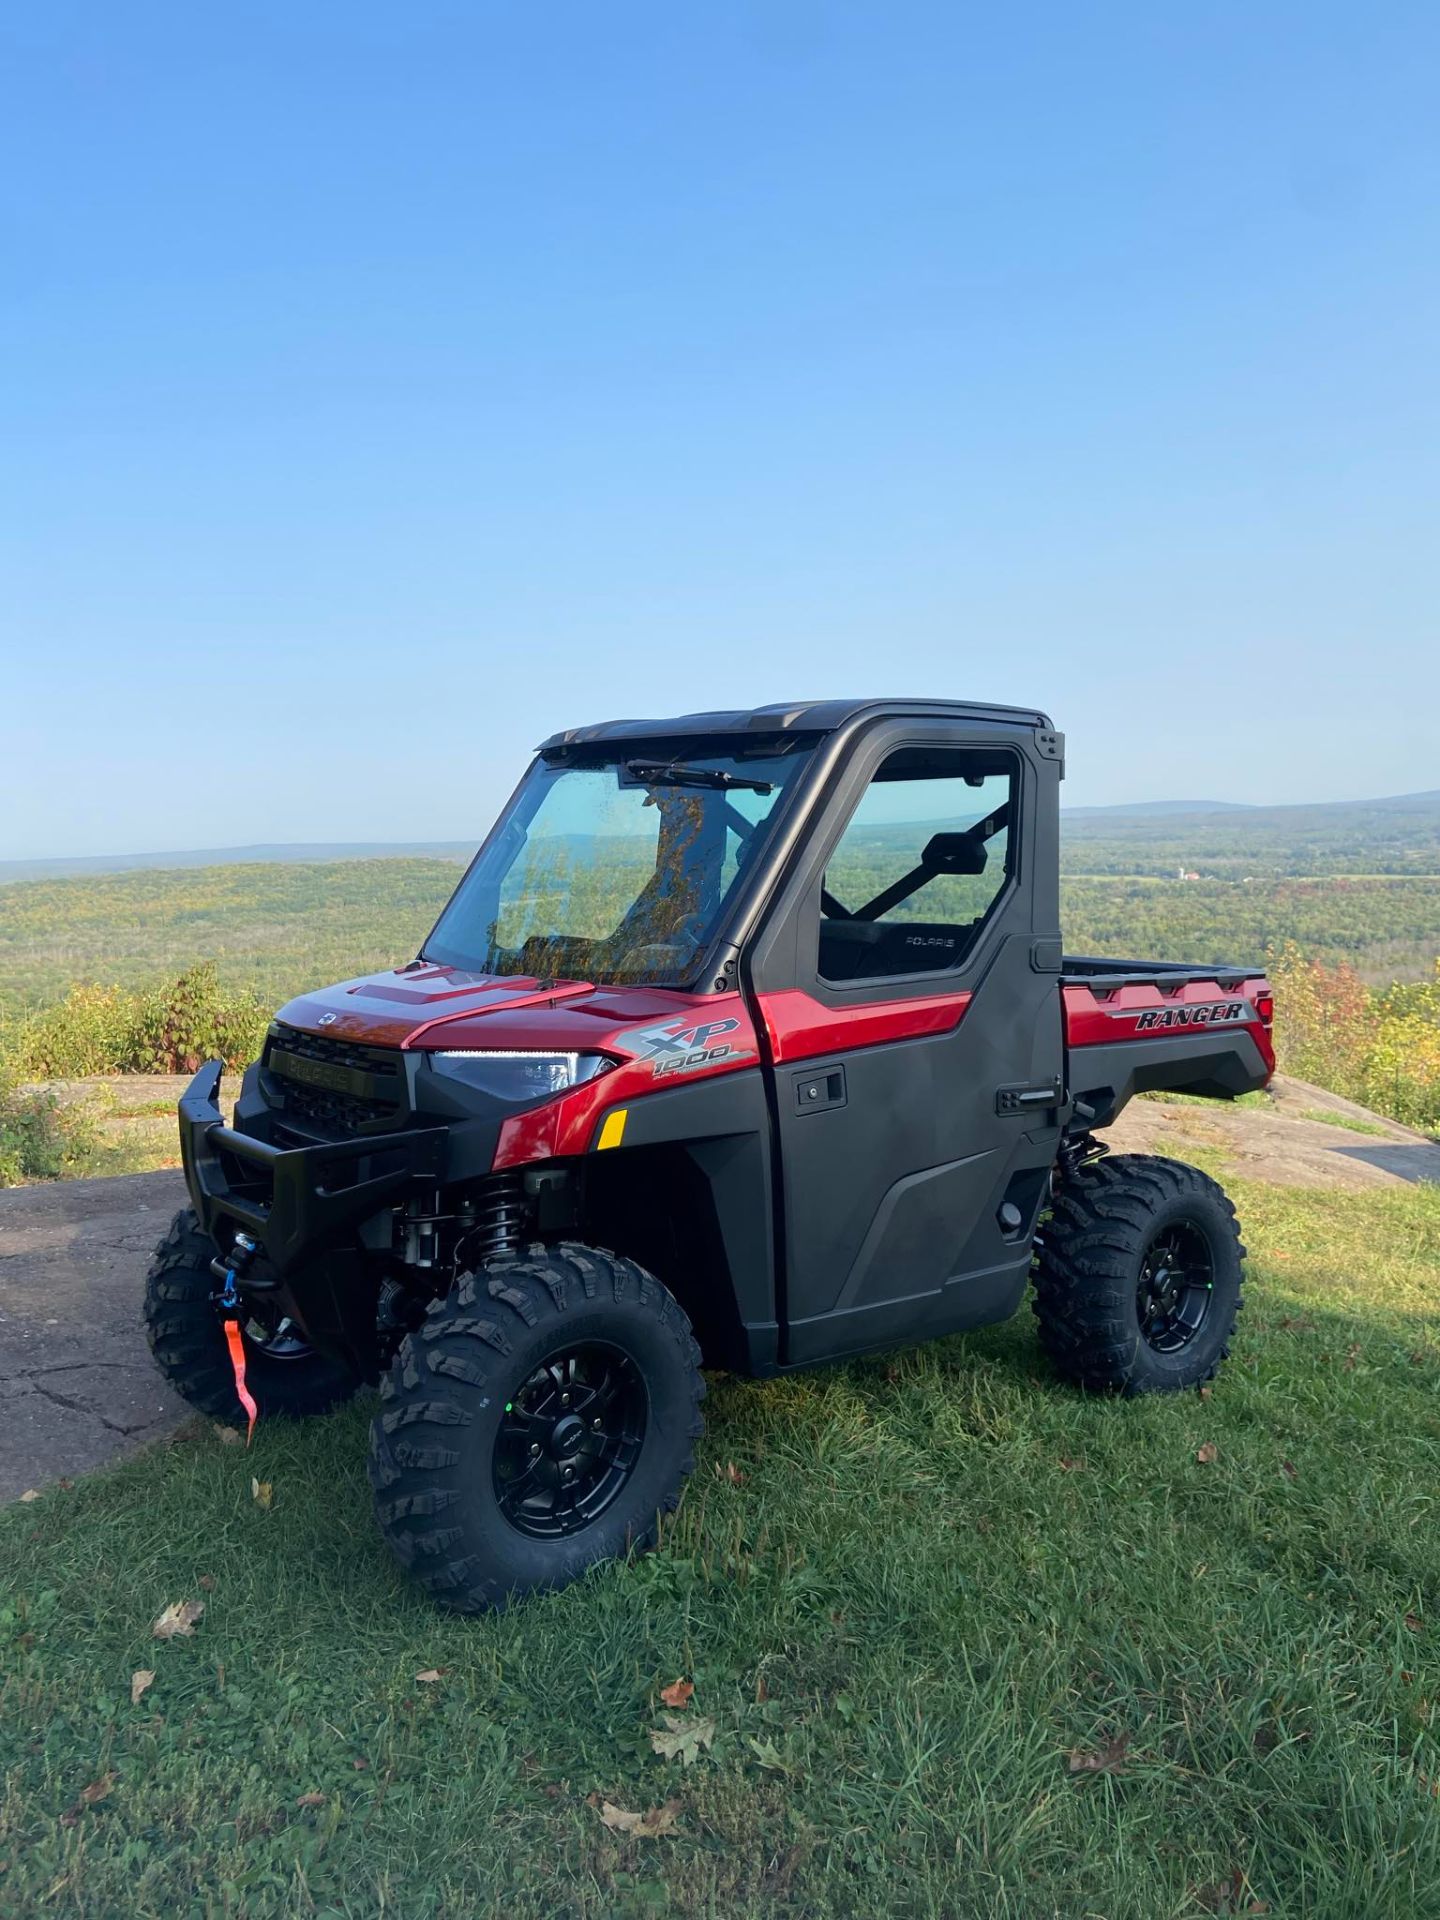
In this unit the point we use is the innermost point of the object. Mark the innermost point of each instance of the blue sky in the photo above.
(384, 387)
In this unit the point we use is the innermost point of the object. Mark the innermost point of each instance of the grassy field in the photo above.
(279, 928)
(970, 1644)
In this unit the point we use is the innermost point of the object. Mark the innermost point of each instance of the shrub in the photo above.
(170, 1028)
(39, 1139)
(1382, 1049)
(189, 1020)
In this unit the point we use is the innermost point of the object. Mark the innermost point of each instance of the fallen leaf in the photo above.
(762, 1690)
(1208, 1454)
(263, 1493)
(678, 1693)
(1289, 1469)
(311, 1800)
(1225, 1896)
(178, 1618)
(1108, 1757)
(644, 1826)
(682, 1740)
(1067, 1465)
(767, 1754)
(28, 1495)
(97, 1790)
(206, 1582)
(729, 1472)
(431, 1675)
(360, 1764)
(1207, 1393)
(141, 1682)
(229, 1436)
(1415, 1623)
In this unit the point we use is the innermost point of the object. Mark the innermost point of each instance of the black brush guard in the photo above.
(297, 1202)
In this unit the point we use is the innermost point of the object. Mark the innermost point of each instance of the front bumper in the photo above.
(297, 1202)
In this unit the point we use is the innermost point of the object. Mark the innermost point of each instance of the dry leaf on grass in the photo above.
(97, 1790)
(682, 1740)
(141, 1682)
(28, 1495)
(1108, 1757)
(644, 1826)
(311, 1800)
(1415, 1623)
(1208, 1454)
(178, 1618)
(206, 1583)
(1289, 1469)
(1067, 1465)
(678, 1693)
(431, 1675)
(1229, 1896)
(229, 1436)
(729, 1472)
(262, 1492)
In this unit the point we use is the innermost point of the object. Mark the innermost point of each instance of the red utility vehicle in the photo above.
(746, 1037)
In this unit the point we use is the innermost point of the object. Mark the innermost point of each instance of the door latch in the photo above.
(816, 1091)
(1029, 1099)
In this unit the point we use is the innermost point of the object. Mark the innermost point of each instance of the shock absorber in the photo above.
(500, 1218)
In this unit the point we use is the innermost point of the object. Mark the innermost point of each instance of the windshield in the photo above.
(616, 869)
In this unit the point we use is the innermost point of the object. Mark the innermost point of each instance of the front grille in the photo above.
(334, 1084)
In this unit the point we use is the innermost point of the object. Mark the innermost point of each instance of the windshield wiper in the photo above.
(674, 773)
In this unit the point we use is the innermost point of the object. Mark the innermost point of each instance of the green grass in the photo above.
(1328, 1118)
(940, 1575)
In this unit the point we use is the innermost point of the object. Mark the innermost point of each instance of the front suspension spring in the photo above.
(500, 1218)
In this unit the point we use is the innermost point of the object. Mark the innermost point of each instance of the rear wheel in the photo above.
(284, 1374)
(541, 1418)
(1138, 1275)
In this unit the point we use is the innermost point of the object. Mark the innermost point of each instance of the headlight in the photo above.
(520, 1076)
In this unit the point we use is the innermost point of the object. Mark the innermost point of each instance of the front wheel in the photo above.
(284, 1374)
(1137, 1277)
(540, 1418)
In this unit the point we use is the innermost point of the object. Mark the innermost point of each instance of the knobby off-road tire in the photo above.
(1121, 1230)
(283, 1376)
(478, 1445)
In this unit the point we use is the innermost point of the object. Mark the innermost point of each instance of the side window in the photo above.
(923, 860)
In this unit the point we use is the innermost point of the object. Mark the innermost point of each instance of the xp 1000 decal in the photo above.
(683, 1045)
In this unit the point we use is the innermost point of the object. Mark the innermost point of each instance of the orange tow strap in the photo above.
(234, 1339)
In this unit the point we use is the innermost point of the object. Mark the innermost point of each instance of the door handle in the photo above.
(1028, 1099)
(815, 1092)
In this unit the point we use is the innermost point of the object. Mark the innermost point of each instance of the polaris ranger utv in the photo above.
(756, 1024)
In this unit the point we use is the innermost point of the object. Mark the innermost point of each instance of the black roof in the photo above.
(798, 716)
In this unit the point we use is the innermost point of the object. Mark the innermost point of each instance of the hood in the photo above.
(425, 1006)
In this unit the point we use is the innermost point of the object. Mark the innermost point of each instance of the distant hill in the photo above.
(1141, 809)
(302, 850)
(1220, 839)
(1399, 834)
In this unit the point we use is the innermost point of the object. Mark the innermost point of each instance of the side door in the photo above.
(912, 1022)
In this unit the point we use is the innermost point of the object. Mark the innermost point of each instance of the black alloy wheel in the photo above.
(539, 1419)
(1138, 1275)
(569, 1440)
(1177, 1284)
